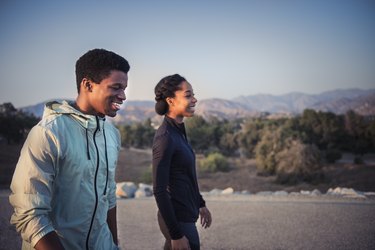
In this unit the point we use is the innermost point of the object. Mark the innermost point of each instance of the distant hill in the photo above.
(336, 101)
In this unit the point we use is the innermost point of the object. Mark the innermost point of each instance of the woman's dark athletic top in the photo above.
(174, 177)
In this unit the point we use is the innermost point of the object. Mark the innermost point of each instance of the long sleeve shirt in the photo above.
(174, 177)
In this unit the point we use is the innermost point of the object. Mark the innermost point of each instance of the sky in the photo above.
(225, 49)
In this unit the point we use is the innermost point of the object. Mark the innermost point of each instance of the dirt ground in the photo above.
(135, 165)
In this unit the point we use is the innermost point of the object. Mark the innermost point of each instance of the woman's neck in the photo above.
(177, 118)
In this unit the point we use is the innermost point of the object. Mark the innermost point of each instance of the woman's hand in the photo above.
(206, 218)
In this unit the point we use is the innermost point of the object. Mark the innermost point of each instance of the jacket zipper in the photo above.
(95, 180)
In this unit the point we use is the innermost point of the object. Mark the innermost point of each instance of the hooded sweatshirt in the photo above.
(64, 179)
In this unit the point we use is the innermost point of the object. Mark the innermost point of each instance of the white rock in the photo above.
(330, 191)
(305, 192)
(215, 191)
(316, 192)
(280, 193)
(245, 192)
(125, 189)
(346, 192)
(144, 190)
(227, 191)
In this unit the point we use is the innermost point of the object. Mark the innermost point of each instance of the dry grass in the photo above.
(135, 165)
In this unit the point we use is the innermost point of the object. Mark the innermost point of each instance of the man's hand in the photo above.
(49, 242)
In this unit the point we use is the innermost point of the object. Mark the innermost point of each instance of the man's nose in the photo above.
(122, 95)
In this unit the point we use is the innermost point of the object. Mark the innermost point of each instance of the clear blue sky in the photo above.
(224, 48)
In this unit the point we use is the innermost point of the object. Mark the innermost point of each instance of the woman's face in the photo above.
(183, 103)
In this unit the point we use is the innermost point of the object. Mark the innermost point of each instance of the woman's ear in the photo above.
(169, 100)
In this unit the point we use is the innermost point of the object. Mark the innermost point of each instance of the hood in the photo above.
(66, 108)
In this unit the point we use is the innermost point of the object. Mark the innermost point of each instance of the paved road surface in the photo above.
(250, 222)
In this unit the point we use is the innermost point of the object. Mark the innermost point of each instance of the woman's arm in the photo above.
(162, 152)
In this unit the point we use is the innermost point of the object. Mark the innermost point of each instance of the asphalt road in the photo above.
(262, 223)
(251, 222)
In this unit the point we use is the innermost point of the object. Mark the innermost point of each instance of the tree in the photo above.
(356, 128)
(298, 162)
(266, 150)
(15, 124)
(249, 136)
(138, 135)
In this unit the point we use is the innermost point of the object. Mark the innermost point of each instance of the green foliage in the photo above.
(298, 162)
(267, 148)
(14, 124)
(357, 130)
(323, 129)
(138, 135)
(249, 136)
(280, 152)
(214, 162)
(215, 135)
(146, 176)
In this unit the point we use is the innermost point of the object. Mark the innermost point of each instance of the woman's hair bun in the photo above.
(166, 88)
(161, 107)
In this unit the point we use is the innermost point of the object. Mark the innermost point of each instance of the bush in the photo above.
(146, 176)
(214, 162)
(266, 150)
(298, 162)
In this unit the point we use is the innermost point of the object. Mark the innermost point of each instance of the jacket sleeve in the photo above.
(162, 151)
(111, 178)
(32, 184)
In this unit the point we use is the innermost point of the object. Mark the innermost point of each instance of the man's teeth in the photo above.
(117, 105)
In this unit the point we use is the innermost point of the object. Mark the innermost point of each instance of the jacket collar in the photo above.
(89, 122)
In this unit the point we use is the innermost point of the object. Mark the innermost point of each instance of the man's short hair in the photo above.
(97, 64)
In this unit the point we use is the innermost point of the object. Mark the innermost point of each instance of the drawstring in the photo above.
(87, 145)
(106, 161)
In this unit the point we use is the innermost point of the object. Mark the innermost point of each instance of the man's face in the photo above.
(107, 96)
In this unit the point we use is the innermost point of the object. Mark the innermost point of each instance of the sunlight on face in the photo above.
(183, 103)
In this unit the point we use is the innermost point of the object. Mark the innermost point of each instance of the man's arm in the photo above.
(49, 241)
(32, 186)
(112, 223)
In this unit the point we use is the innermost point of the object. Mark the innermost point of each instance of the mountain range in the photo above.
(336, 101)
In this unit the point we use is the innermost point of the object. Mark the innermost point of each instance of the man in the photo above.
(63, 188)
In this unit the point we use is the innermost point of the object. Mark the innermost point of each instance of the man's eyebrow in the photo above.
(119, 83)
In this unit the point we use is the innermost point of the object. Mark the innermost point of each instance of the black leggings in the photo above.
(188, 229)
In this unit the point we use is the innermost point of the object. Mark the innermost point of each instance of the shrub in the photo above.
(298, 162)
(146, 176)
(266, 150)
(214, 162)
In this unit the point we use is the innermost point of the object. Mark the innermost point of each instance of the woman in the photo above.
(174, 175)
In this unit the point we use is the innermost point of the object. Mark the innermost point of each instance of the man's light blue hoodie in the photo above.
(64, 179)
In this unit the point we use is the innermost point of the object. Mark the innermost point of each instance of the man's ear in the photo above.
(86, 85)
